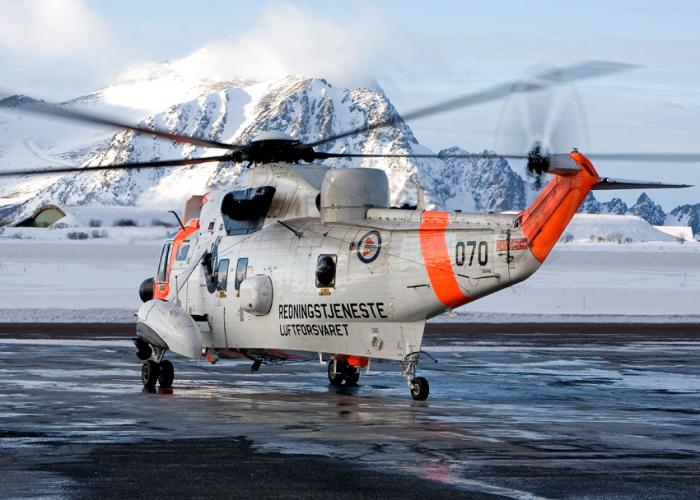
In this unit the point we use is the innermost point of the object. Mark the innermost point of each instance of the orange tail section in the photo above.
(545, 220)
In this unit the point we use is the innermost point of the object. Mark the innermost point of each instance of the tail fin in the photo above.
(545, 220)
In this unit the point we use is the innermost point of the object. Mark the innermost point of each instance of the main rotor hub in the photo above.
(537, 160)
(275, 146)
(273, 135)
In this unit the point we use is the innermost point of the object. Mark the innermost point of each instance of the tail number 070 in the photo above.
(479, 249)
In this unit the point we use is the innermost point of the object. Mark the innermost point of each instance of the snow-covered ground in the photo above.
(90, 280)
(98, 279)
(613, 228)
(658, 281)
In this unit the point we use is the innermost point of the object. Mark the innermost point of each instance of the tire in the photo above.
(336, 378)
(166, 374)
(149, 374)
(352, 375)
(420, 389)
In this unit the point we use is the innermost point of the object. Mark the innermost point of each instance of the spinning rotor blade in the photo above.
(580, 71)
(323, 156)
(655, 157)
(124, 166)
(46, 109)
(658, 157)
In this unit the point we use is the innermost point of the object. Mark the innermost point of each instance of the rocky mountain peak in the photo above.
(490, 181)
(685, 215)
(648, 210)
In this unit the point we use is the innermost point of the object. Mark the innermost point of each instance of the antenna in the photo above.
(177, 217)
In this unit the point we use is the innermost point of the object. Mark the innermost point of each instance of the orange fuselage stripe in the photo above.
(433, 244)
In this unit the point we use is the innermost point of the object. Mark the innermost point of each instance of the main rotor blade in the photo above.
(646, 157)
(322, 156)
(657, 157)
(580, 71)
(46, 109)
(122, 166)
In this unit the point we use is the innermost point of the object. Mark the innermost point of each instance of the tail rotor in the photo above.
(544, 122)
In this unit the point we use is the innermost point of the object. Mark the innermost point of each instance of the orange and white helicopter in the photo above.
(307, 258)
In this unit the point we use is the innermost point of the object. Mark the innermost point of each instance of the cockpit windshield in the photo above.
(244, 211)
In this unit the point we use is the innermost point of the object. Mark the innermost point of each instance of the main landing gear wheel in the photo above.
(149, 374)
(336, 371)
(340, 371)
(166, 374)
(352, 374)
(420, 389)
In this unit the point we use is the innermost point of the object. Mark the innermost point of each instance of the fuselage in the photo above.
(381, 295)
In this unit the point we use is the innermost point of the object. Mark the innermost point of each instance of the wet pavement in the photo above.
(595, 411)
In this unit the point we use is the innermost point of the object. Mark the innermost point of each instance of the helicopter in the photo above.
(305, 258)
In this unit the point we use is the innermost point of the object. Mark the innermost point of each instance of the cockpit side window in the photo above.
(222, 275)
(182, 252)
(241, 271)
(162, 273)
(244, 211)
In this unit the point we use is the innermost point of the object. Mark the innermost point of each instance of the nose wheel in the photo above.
(149, 374)
(156, 370)
(162, 373)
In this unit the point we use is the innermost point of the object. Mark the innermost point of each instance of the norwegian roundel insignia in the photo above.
(369, 246)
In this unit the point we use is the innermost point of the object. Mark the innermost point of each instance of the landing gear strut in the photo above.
(419, 387)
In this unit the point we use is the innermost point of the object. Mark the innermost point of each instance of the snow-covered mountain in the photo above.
(645, 208)
(648, 210)
(685, 215)
(306, 108)
(489, 181)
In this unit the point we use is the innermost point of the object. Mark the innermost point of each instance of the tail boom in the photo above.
(545, 220)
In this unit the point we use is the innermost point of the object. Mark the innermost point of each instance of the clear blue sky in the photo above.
(420, 52)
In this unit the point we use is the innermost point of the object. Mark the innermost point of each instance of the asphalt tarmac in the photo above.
(515, 411)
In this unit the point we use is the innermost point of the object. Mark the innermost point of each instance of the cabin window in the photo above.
(325, 270)
(241, 270)
(222, 275)
(162, 273)
(244, 211)
(182, 252)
